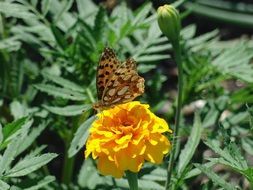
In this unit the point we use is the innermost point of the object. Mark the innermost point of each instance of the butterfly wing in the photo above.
(107, 65)
(124, 85)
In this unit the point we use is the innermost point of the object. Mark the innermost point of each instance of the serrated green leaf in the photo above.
(234, 119)
(45, 6)
(28, 165)
(63, 82)
(100, 23)
(88, 176)
(42, 183)
(87, 10)
(81, 136)
(10, 44)
(248, 173)
(231, 155)
(60, 92)
(200, 40)
(194, 172)
(12, 148)
(152, 57)
(31, 137)
(158, 48)
(63, 7)
(13, 187)
(191, 145)
(4, 186)
(141, 13)
(59, 37)
(235, 62)
(247, 145)
(158, 174)
(215, 178)
(36, 151)
(34, 3)
(16, 130)
(143, 68)
(15, 10)
(142, 184)
(68, 110)
(11, 128)
(188, 32)
(17, 110)
(1, 134)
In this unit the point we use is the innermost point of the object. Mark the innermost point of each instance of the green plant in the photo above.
(49, 52)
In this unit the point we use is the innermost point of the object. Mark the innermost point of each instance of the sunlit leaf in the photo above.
(215, 178)
(191, 145)
(71, 110)
(60, 92)
(28, 165)
(81, 136)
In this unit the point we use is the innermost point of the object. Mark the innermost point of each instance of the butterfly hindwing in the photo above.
(124, 85)
(117, 82)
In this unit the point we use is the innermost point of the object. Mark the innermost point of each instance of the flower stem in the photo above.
(68, 163)
(177, 53)
(132, 179)
(67, 168)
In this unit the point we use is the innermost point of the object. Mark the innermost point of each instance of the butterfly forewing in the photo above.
(117, 82)
(107, 65)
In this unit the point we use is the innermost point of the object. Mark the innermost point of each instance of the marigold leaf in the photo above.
(248, 173)
(4, 186)
(28, 165)
(63, 82)
(235, 62)
(60, 92)
(35, 132)
(194, 172)
(191, 145)
(88, 176)
(152, 57)
(215, 178)
(11, 128)
(1, 134)
(45, 5)
(143, 184)
(15, 10)
(10, 44)
(141, 14)
(68, 110)
(80, 137)
(40, 184)
(231, 155)
(12, 148)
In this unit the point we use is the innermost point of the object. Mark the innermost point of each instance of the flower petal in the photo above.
(155, 153)
(107, 167)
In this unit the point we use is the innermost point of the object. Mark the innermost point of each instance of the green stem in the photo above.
(177, 52)
(132, 179)
(68, 165)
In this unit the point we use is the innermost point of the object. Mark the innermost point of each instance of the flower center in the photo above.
(126, 123)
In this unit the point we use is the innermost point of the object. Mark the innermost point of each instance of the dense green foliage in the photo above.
(49, 52)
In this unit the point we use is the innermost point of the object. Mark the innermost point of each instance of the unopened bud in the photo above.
(169, 22)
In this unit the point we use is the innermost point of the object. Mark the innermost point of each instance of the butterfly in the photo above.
(117, 82)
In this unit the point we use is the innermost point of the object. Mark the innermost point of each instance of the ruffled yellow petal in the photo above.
(125, 161)
(155, 153)
(107, 167)
(123, 137)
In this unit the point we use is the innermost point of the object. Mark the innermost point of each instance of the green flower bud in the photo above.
(169, 22)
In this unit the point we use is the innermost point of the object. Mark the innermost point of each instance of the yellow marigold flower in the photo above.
(123, 137)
